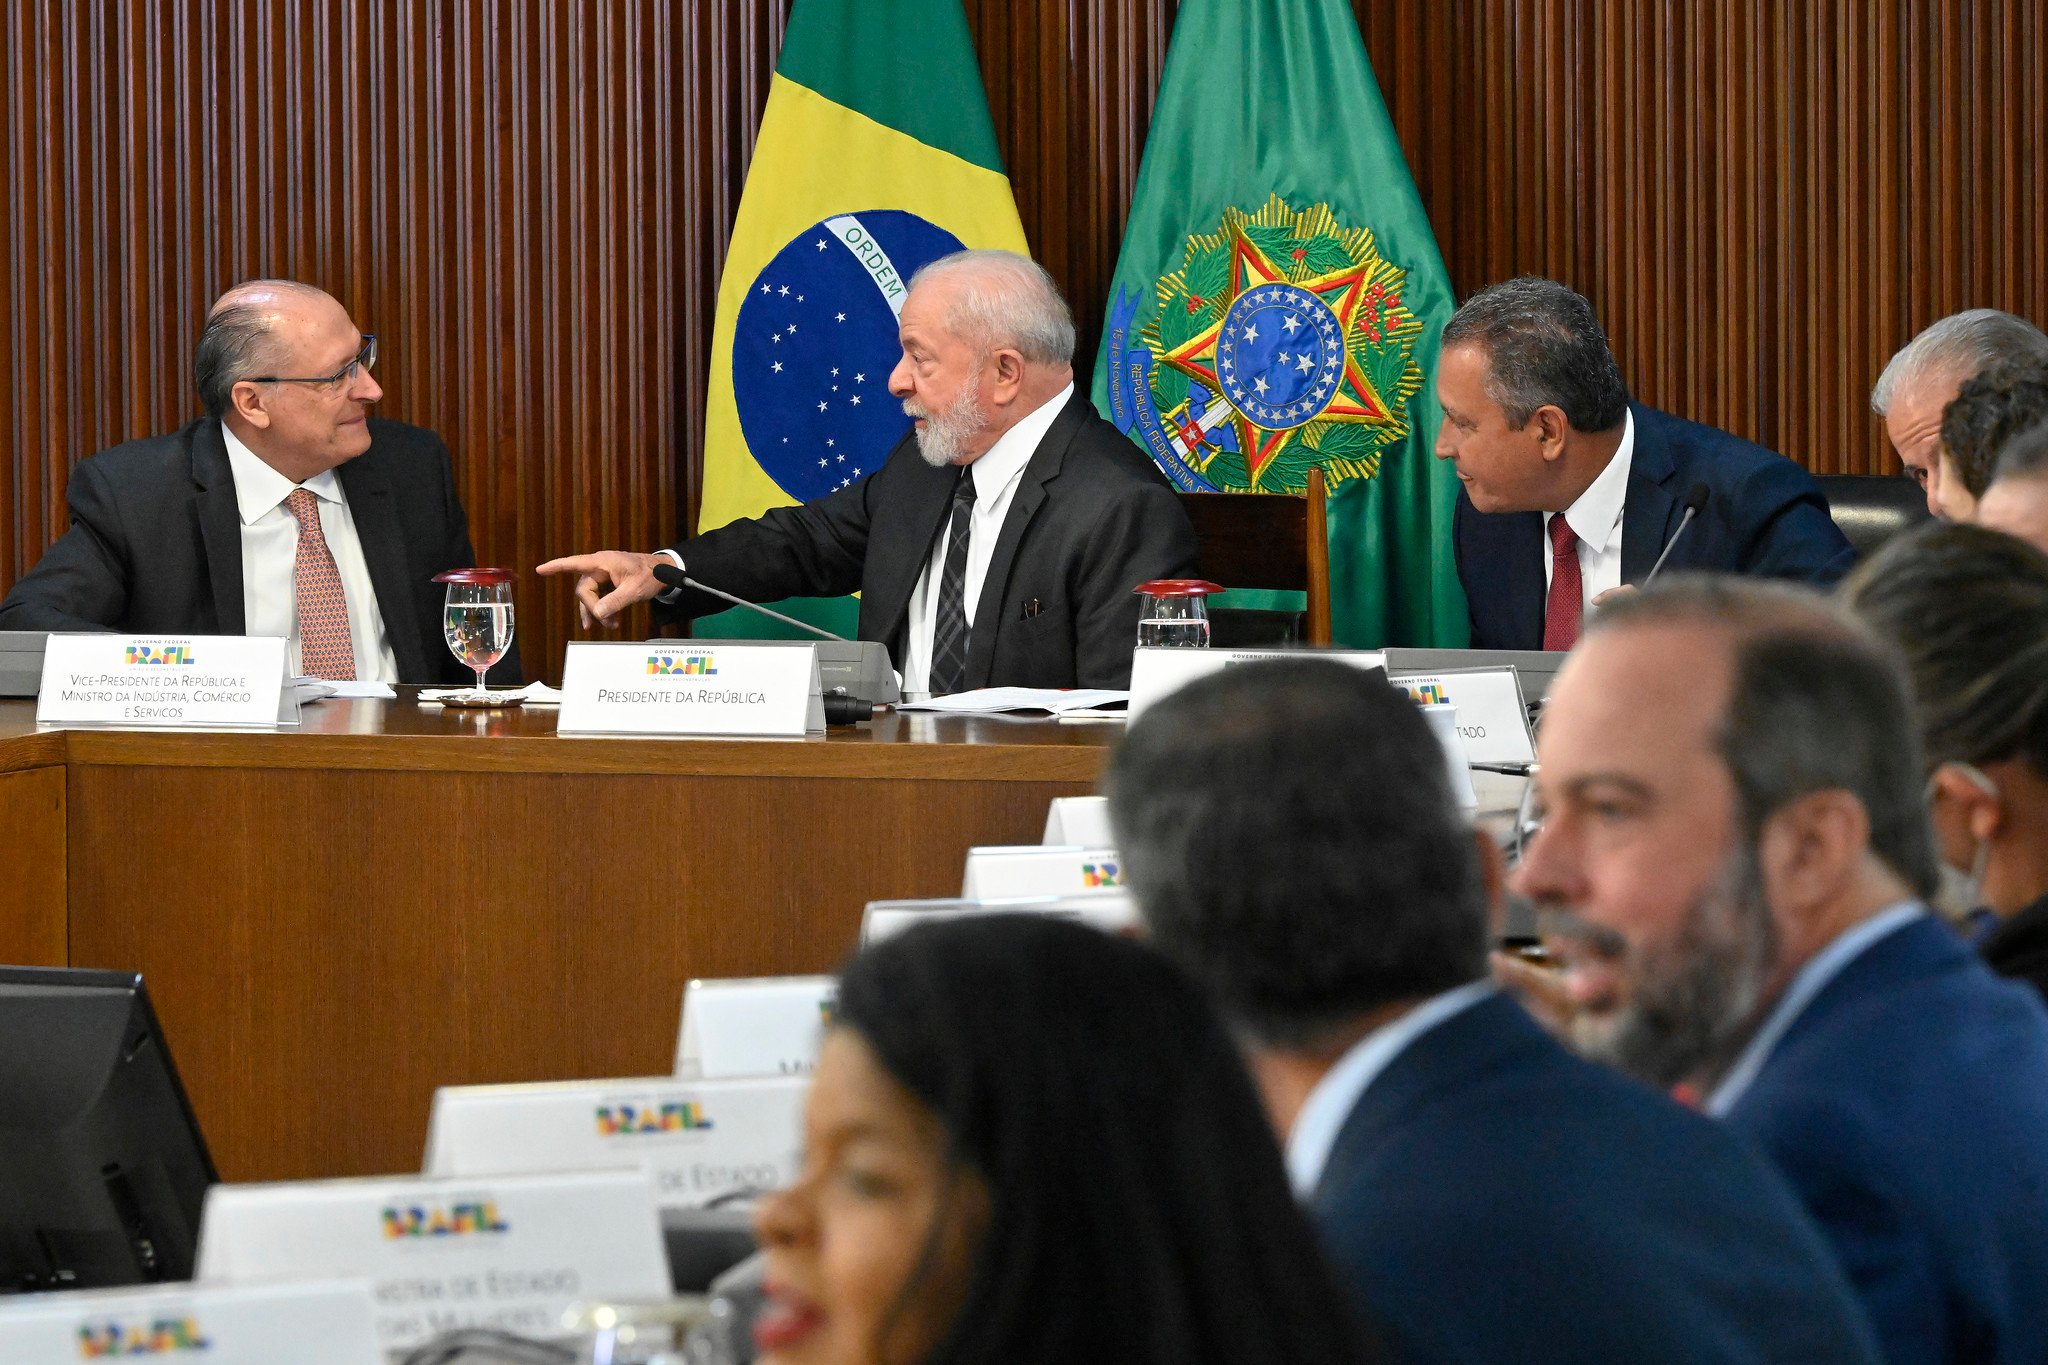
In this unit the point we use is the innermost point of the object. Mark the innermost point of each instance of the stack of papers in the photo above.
(1051, 700)
(308, 689)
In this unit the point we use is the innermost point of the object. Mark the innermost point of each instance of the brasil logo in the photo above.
(1427, 694)
(442, 1220)
(684, 666)
(617, 1120)
(154, 1337)
(160, 654)
(1281, 344)
(1101, 874)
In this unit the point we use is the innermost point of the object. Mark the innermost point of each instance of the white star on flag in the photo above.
(1259, 384)
(1290, 322)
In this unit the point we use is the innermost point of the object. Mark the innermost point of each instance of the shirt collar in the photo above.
(1596, 517)
(1822, 968)
(260, 488)
(1337, 1093)
(1005, 460)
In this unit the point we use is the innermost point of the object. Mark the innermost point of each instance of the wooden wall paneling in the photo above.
(34, 923)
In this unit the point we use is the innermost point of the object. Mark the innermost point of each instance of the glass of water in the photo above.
(478, 618)
(1176, 613)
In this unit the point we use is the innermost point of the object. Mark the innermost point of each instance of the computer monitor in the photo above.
(102, 1167)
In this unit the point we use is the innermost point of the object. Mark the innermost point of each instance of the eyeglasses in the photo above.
(366, 359)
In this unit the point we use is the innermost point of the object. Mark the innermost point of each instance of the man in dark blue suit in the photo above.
(1570, 490)
(1291, 836)
(1731, 866)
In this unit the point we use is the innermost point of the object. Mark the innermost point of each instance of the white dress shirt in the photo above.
(270, 550)
(1329, 1105)
(1596, 520)
(1823, 967)
(995, 476)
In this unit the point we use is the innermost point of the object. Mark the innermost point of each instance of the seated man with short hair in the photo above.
(1988, 414)
(1732, 865)
(1921, 380)
(1290, 834)
(1000, 540)
(1571, 491)
(287, 510)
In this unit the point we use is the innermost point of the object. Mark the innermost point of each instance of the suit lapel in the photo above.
(220, 526)
(375, 514)
(1647, 508)
(1043, 467)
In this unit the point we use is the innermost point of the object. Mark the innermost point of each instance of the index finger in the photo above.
(568, 564)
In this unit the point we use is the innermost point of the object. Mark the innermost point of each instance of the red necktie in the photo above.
(1567, 604)
(326, 650)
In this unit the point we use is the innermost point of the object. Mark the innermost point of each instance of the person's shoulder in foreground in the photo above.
(1290, 835)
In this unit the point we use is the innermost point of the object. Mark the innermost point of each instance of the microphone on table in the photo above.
(676, 578)
(1695, 503)
(841, 708)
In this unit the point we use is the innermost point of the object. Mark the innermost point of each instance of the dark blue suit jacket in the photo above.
(1494, 1198)
(1908, 1106)
(1764, 516)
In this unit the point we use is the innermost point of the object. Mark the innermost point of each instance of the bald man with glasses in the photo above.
(287, 510)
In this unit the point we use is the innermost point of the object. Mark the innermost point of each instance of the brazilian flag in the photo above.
(1279, 299)
(875, 156)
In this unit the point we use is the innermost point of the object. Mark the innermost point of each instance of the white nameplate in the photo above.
(1443, 723)
(1157, 671)
(1110, 911)
(324, 1323)
(1039, 870)
(1078, 820)
(509, 1253)
(758, 1026)
(194, 680)
(1492, 718)
(699, 1140)
(685, 687)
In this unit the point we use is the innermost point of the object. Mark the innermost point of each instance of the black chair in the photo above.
(1872, 508)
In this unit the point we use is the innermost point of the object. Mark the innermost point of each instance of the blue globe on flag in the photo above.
(814, 345)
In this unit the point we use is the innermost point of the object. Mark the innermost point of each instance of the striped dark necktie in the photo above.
(949, 632)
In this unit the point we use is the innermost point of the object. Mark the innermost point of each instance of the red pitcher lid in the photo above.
(1178, 587)
(474, 577)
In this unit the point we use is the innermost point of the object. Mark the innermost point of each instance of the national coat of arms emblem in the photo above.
(1280, 344)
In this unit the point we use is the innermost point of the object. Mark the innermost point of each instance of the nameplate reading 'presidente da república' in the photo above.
(314, 1323)
(682, 687)
(1492, 719)
(509, 1253)
(753, 1026)
(698, 1140)
(195, 680)
(1157, 671)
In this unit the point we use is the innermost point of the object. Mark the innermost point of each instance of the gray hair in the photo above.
(1818, 703)
(236, 341)
(2026, 457)
(1005, 300)
(1959, 347)
(1544, 348)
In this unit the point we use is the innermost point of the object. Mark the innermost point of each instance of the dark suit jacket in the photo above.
(1494, 1198)
(155, 545)
(1091, 519)
(1765, 516)
(1908, 1106)
(2018, 947)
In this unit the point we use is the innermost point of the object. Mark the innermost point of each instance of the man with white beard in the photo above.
(999, 543)
(1731, 865)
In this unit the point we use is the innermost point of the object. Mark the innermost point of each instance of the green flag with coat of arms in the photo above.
(1278, 302)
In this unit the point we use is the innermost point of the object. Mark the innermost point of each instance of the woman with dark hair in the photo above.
(1969, 607)
(1028, 1141)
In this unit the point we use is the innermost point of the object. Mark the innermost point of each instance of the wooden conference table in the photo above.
(335, 920)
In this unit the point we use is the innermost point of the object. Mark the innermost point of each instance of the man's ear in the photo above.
(1551, 428)
(249, 404)
(1984, 812)
(1811, 849)
(1009, 376)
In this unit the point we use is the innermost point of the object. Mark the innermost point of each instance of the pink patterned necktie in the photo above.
(326, 649)
(1567, 604)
